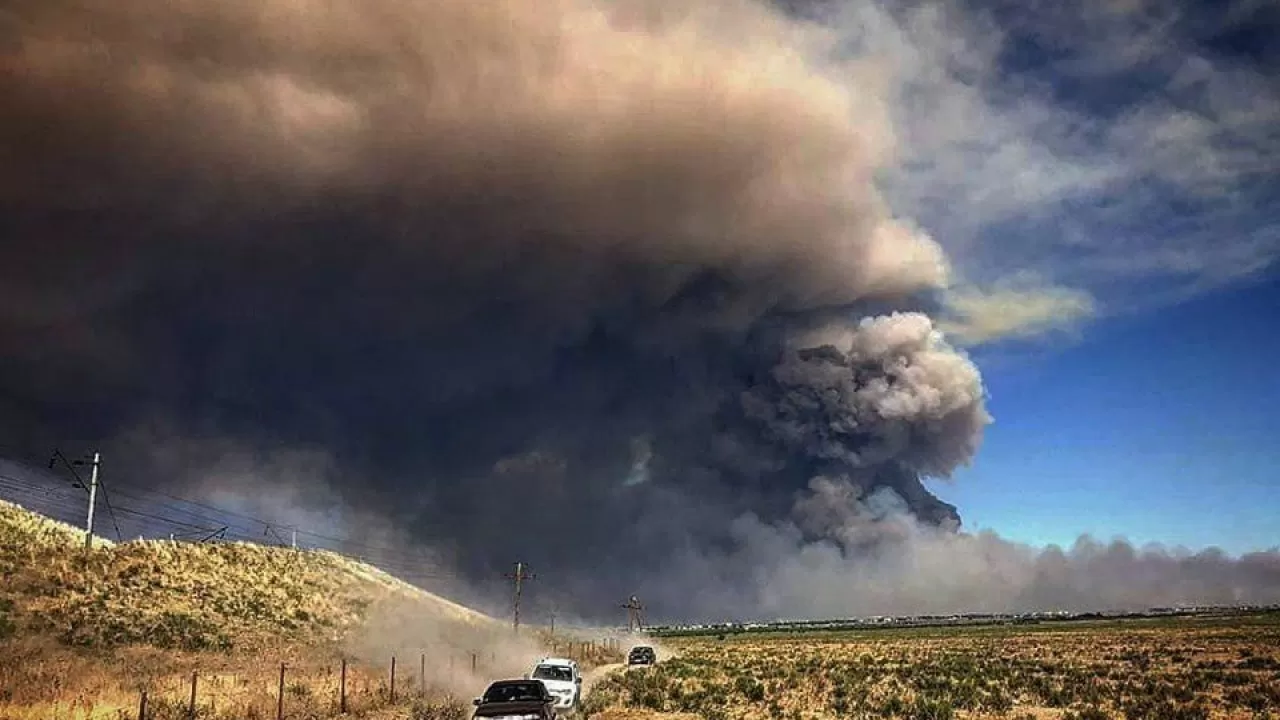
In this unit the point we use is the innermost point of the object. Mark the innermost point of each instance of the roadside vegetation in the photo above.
(83, 634)
(1161, 670)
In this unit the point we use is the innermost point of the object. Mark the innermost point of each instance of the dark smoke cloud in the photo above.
(587, 285)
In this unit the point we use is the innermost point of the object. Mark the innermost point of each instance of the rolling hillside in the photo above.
(192, 596)
(84, 634)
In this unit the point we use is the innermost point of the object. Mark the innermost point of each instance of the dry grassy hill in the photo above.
(189, 596)
(82, 634)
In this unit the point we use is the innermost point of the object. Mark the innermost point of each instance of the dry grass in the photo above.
(82, 635)
(43, 682)
(186, 596)
(1177, 669)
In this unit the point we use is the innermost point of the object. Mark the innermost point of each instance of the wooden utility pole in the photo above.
(634, 619)
(280, 696)
(519, 576)
(342, 689)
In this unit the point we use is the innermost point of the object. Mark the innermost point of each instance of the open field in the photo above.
(1174, 668)
(83, 635)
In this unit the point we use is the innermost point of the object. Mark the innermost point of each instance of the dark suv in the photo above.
(523, 698)
(642, 655)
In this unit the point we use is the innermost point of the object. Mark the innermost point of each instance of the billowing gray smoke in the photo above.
(584, 284)
(843, 551)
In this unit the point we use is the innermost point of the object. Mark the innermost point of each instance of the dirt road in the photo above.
(595, 675)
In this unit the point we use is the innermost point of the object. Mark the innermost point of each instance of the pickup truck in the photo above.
(563, 680)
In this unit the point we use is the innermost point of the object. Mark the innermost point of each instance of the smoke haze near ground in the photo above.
(404, 631)
(875, 559)
(607, 288)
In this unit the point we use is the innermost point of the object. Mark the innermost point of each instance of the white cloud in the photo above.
(978, 315)
(1132, 165)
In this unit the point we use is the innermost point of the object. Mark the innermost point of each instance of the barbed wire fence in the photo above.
(329, 686)
(289, 691)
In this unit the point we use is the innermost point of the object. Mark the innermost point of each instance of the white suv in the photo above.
(562, 679)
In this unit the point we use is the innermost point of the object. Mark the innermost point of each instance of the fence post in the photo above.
(191, 706)
(280, 696)
(142, 706)
(422, 674)
(393, 679)
(473, 662)
(342, 689)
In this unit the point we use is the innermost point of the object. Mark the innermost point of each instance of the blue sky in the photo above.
(1109, 169)
(1159, 427)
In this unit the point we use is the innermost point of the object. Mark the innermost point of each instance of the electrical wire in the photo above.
(212, 523)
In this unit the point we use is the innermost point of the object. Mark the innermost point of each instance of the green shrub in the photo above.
(923, 709)
(750, 689)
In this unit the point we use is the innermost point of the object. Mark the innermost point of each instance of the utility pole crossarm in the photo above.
(634, 619)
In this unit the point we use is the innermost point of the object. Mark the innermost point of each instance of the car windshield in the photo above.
(558, 673)
(514, 692)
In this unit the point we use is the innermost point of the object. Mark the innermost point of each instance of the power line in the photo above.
(189, 514)
(70, 507)
(233, 513)
(159, 518)
(188, 501)
(111, 512)
(405, 564)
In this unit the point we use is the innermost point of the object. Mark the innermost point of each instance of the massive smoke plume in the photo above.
(607, 287)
